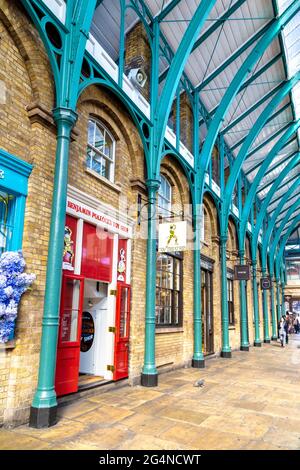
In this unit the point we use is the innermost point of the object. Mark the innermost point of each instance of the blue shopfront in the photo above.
(14, 174)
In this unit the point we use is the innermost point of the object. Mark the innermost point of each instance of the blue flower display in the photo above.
(13, 283)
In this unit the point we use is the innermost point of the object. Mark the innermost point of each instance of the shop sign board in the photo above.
(172, 237)
(87, 332)
(242, 272)
(265, 283)
(97, 217)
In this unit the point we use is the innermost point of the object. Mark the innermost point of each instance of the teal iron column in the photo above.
(273, 312)
(265, 312)
(198, 358)
(278, 299)
(226, 350)
(257, 340)
(244, 319)
(44, 405)
(282, 294)
(149, 371)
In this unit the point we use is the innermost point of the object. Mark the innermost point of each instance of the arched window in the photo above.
(164, 198)
(100, 150)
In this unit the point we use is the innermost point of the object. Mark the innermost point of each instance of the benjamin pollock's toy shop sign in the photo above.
(95, 216)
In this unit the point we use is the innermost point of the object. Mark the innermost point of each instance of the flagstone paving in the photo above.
(248, 402)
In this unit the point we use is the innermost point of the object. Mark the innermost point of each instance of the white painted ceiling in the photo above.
(245, 22)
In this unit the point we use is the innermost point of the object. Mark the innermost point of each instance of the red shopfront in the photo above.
(93, 343)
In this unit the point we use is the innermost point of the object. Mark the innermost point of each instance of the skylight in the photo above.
(291, 42)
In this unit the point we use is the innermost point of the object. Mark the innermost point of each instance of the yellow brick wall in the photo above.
(24, 133)
(260, 303)
(232, 260)
(177, 348)
(249, 294)
(25, 73)
(101, 105)
(138, 53)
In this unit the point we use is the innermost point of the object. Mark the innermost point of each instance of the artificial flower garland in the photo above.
(13, 283)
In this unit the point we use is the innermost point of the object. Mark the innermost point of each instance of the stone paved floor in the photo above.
(248, 402)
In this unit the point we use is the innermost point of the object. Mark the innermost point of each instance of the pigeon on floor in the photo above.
(199, 383)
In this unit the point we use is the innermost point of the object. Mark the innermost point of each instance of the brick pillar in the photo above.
(186, 122)
(215, 165)
(138, 54)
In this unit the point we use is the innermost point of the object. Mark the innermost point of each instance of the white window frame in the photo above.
(163, 211)
(202, 225)
(110, 161)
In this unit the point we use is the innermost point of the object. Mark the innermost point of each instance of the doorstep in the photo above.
(211, 356)
(91, 390)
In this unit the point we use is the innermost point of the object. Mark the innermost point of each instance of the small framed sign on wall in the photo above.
(265, 283)
(241, 272)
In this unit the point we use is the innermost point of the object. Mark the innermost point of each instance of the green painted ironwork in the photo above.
(66, 62)
(235, 55)
(67, 53)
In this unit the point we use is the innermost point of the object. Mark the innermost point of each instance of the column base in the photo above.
(42, 417)
(226, 354)
(267, 341)
(257, 344)
(198, 363)
(274, 338)
(149, 380)
(244, 348)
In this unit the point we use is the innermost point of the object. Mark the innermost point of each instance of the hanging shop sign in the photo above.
(172, 237)
(242, 272)
(265, 283)
(87, 332)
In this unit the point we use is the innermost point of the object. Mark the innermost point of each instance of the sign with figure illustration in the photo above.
(172, 237)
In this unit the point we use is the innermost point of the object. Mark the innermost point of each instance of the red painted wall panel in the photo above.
(97, 253)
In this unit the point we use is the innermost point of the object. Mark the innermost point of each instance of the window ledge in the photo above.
(103, 180)
(9, 345)
(231, 327)
(163, 330)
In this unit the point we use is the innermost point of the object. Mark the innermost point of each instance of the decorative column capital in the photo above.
(153, 185)
(64, 115)
(223, 239)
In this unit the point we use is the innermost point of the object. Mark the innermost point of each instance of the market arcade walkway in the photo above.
(248, 402)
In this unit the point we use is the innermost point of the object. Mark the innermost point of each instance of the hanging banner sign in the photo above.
(172, 237)
(265, 283)
(242, 272)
